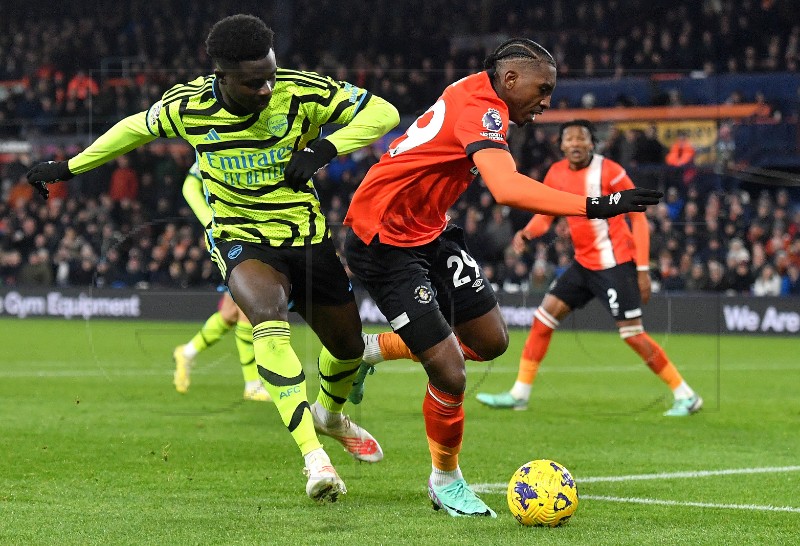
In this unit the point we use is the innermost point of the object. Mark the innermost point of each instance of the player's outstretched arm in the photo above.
(123, 137)
(511, 188)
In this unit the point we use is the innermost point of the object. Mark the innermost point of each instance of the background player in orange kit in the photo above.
(415, 266)
(611, 264)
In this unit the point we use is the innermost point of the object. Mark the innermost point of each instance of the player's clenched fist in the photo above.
(305, 163)
(48, 172)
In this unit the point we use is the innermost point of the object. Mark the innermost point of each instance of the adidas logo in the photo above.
(212, 135)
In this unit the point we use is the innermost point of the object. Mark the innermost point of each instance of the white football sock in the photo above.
(521, 391)
(440, 478)
(682, 391)
(372, 349)
(190, 351)
(315, 455)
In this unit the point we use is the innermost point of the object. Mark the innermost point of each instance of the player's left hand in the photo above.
(48, 172)
(305, 163)
(634, 200)
(645, 289)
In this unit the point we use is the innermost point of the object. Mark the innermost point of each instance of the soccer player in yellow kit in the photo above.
(220, 323)
(256, 130)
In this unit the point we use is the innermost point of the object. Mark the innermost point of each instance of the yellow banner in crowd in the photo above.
(702, 134)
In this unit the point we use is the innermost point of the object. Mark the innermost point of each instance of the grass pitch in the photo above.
(98, 448)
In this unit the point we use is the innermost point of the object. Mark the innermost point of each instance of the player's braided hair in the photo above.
(577, 123)
(239, 38)
(518, 48)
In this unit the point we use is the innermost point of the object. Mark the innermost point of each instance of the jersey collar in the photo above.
(233, 109)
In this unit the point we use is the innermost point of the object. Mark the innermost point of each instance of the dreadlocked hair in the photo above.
(518, 48)
(239, 38)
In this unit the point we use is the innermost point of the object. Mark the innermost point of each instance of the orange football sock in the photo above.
(532, 354)
(393, 348)
(444, 425)
(655, 358)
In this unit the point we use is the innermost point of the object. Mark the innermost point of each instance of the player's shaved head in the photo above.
(238, 38)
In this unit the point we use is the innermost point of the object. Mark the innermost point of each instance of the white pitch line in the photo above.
(637, 500)
(497, 487)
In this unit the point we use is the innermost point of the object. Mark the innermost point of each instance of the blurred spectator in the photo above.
(697, 280)
(133, 276)
(38, 271)
(739, 278)
(790, 283)
(768, 282)
(674, 203)
(20, 193)
(124, 181)
(498, 233)
(10, 263)
(82, 86)
(716, 277)
(681, 157)
(541, 276)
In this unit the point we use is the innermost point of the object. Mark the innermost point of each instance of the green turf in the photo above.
(97, 448)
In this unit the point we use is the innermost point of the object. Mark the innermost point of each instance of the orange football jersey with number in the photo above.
(404, 198)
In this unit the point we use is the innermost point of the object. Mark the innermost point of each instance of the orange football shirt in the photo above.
(599, 243)
(404, 198)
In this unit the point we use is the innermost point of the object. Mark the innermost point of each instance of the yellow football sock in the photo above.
(283, 377)
(335, 380)
(247, 355)
(211, 332)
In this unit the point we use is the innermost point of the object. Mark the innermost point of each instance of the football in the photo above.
(542, 493)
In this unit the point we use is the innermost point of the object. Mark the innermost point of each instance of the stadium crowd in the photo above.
(126, 224)
(135, 52)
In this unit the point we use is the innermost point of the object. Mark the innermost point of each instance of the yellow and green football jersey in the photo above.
(242, 158)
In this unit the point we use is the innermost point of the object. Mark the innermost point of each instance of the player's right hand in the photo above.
(519, 243)
(635, 200)
(48, 172)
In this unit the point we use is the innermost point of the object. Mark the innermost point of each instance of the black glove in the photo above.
(305, 163)
(635, 200)
(48, 172)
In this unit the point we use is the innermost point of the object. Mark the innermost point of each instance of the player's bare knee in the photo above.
(490, 345)
(229, 315)
(498, 343)
(346, 347)
(267, 312)
(451, 378)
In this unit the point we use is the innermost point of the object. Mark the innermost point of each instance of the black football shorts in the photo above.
(617, 288)
(408, 283)
(315, 272)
